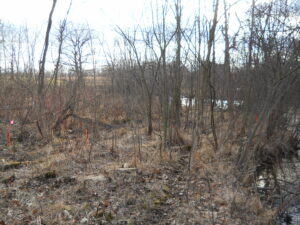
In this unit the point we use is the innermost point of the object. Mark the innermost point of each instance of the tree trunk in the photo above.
(41, 76)
(177, 73)
(149, 116)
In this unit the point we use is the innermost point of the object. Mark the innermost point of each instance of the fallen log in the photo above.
(92, 122)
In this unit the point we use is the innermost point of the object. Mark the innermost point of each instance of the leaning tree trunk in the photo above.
(41, 77)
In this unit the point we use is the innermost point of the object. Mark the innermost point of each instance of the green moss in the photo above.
(108, 216)
(99, 214)
(50, 174)
(166, 189)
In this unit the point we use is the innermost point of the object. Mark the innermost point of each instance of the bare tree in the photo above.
(163, 39)
(143, 63)
(77, 54)
(274, 71)
(177, 73)
(41, 75)
(208, 71)
(61, 36)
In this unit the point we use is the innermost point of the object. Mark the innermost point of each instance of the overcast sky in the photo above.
(101, 15)
(98, 13)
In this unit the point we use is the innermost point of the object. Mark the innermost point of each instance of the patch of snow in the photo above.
(221, 104)
(84, 220)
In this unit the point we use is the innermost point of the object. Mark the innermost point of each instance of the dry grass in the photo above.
(164, 177)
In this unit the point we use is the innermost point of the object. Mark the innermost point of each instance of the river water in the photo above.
(290, 184)
(289, 181)
(288, 176)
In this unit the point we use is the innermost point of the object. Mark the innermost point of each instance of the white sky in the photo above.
(98, 13)
(101, 15)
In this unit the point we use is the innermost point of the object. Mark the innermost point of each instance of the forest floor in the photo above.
(116, 179)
